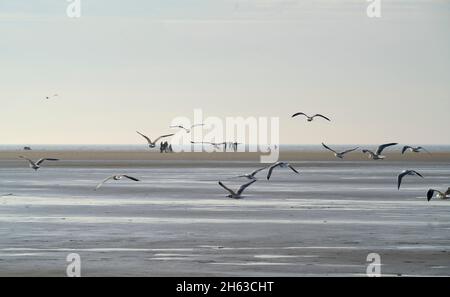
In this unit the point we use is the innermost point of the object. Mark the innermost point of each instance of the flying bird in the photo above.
(310, 119)
(37, 165)
(281, 165)
(216, 145)
(440, 195)
(116, 177)
(339, 155)
(406, 173)
(377, 155)
(238, 194)
(251, 175)
(414, 149)
(152, 144)
(48, 97)
(188, 130)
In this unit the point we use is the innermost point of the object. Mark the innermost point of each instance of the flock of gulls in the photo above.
(374, 155)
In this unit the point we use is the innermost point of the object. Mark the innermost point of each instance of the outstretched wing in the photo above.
(163, 136)
(146, 138)
(269, 174)
(322, 116)
(447, 192)
(383, 146)
(29, 160)
(130, 177)
(425, 150)
(40, 161)
(400, 178)
(328, 148)
(417, 173)
(405, 148)
(349, 151)
(257, 170)
(430, 194)
(298, 114)
(103, 182)
(226, 188)
(293, 169)
(243, 187)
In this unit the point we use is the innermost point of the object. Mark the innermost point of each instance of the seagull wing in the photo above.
(400, 178)
(349, 151)
(130, 177)
(226, 188)
(405, 148)
(148, 139)
(269, 174)
(299, 113)
(257, 170)
(29, 160)
(328, 148)
(243, 187)
(416, 173)
(163, 136)
(383, 146)
(293, 169)
(447, 192)
(322, 116)
(425, 150)
(430, 194)
(103, 182)
(40, 161)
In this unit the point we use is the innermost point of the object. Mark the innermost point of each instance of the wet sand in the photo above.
(178, 222)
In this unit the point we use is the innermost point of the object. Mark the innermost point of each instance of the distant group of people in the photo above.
(165, 147)
(231, 145)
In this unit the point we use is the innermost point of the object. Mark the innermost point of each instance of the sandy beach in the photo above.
(178, 222)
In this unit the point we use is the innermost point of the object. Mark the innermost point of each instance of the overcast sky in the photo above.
(135, 65)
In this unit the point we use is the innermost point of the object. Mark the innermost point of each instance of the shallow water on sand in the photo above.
(178, 222)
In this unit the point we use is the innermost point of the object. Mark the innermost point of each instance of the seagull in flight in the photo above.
(310, 119)
(188, 130)
(49, 97)
(440, 195)
(116, 177)
(339, 155)
(238, 194)
(152, 144)
(37, 165)
(406, 173)
(216, 145)
(377, 155)
(251, 175)
(281, 165)
(414, 149)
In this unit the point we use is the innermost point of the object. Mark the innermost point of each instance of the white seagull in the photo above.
(37, 165)
(152, 144)
(406, 173)
(339, 155)
(281, 165)
(115, 177)
(310, 119)
(440, 195)
(238, 194)
(377, 155)
(251, 175)
(414, 149)
(188, 130)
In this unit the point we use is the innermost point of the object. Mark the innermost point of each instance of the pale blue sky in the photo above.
(135, 65)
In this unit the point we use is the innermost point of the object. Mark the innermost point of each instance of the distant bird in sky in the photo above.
(377, 155)
(238, 194)
(414, 149)
(310, 119)
(36, 165)
(116, 177)
(188, 130)
(253, 173)
(440, 195)
(152, 144)
(49, 97)
(281, 165)
(339, 155)
(406, 173)
(214, 144)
